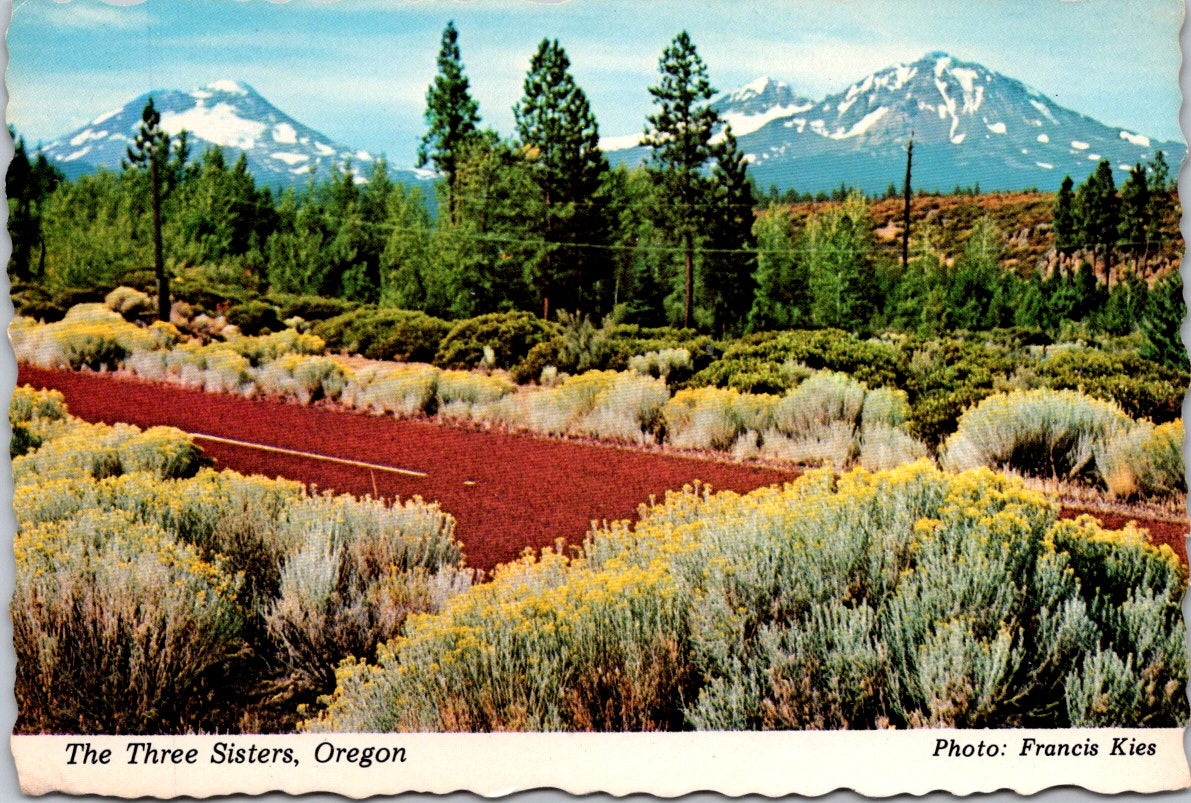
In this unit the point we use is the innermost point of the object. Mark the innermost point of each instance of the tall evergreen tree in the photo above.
(1065, 226)
(1098, 212)
(731, 260)
(680, 136)
(560, 140)
(1162, 323)
(28, 184)
(1163, 198)
(975, 295)
(1133, 229)
(151, 150)
(452, 116)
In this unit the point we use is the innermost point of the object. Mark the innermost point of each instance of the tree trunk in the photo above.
(689, 257)
(163, 282)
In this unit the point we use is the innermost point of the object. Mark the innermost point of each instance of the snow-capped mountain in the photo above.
(281, 151)
(970, 126)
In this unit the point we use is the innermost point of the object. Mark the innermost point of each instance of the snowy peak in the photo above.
(971, 125)
(230, 114)
(755, 104)
(758, 96)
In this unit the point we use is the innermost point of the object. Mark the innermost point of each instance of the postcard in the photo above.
(766, 397)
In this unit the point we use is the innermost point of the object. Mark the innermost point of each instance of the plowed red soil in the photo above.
(507, 492)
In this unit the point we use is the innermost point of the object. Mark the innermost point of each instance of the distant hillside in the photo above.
(1023, 217)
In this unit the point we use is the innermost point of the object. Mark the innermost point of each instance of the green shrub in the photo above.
(41, 304)
(254, 317)
(34, 416)
(507, 336)
(1048, 433)
(214, 289)
(1143, 388)
(387, 334)
(130, 303)
(308, 308)
(549, 353)
(1146, 460)
(764, 355)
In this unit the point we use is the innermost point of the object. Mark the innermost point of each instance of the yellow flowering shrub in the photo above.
(34, 416)
(1146, 460)
(142, 587)
(117, 628)
(902, 598)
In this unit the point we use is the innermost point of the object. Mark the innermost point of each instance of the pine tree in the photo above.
(452, 116)
(728, 267)
(679, 134)
(406, 278)
(28, 185)
(151, 150)
(560, 139)
(1065, 226)
(1098, 212)
(1134, 225)
(1162, 322)
(1163, 198)
(975, 290)
(840, 275)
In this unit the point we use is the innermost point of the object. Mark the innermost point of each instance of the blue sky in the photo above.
(357, 70)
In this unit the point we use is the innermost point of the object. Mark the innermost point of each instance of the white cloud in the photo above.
(116, 15)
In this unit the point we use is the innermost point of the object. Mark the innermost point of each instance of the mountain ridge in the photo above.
(230, 114)
(971, 127)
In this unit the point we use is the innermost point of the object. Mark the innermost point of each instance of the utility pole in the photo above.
(906, 210)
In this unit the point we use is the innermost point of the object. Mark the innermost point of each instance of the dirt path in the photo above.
(506, 492)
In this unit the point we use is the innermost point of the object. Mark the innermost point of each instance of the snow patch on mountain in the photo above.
(103, 118)
(90, 133)
(862, 125)
(284, 134)
(230, 87)
(748, 123)
(1136, 139)
(621, 143)
(219, 124)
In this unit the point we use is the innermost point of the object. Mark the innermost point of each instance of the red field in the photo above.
(506, 492)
